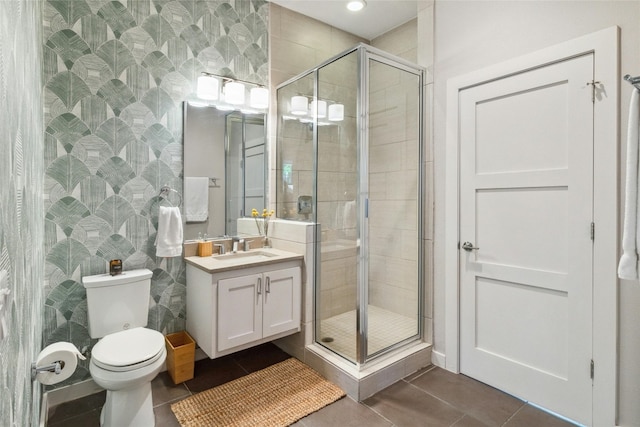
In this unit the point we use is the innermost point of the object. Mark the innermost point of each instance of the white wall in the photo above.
(470, 35)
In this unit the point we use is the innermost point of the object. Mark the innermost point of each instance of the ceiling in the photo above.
(378, 17)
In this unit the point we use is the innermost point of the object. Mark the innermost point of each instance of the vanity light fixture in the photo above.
(306, 112)
(233, 94)
(356, 5)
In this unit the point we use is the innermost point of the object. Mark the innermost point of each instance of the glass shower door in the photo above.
(368, 207)
(393, 221)
(337, 207)
(350, 160)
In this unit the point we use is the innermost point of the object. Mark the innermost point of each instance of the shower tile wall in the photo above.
(338, 178)
(288, 59)
(393, 140)
(116, 73)
(21, 208)
(299, 43)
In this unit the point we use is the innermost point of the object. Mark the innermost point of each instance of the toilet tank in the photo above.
(116, 303)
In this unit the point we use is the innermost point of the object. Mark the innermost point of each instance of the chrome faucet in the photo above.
(240, 244)
(221, 246)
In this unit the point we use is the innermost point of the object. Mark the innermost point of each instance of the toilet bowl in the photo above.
(124, 363)
(128, 355)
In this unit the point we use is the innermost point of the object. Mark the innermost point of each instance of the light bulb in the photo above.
(336, 112)
(234, 93)
(319, 108)
(207, 88)
(299, 105)
(356, 5)
(259, 97)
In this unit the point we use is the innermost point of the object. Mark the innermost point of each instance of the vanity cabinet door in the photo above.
(239, 310)
(282, 296)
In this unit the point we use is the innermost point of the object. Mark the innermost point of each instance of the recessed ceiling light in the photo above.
(356, 5)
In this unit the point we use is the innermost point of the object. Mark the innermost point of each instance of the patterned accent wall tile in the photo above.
(115, 75)
(21, 209)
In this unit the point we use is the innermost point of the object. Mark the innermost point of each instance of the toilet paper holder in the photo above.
(55, 367)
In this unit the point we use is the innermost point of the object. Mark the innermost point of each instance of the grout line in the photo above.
(241, 367)
(464, 414)
(187, 387)
(169, 402)
(426, 370)
(515, 413)
(377, 413)
(439, 398)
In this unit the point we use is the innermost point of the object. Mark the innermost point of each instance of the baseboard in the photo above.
(71, 392)
(438, 359)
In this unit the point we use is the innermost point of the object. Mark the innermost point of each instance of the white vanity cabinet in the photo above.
(236, 309)
(257, 306)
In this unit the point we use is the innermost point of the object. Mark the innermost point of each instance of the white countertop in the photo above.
(235, 261)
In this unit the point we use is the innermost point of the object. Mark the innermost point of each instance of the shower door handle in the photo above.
(468, 246)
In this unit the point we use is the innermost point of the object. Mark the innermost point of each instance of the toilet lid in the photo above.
(129, 347)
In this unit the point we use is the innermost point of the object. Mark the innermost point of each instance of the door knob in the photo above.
(468, 246)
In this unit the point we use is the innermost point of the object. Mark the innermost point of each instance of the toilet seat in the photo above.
(128, 350)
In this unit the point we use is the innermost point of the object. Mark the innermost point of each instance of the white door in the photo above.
(526, 192)
(239, 311)
(281, 310)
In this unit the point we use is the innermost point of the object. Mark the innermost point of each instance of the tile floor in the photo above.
(431, 397)
(385, 328)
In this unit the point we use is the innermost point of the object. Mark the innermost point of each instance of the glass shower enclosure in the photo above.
(350, 159)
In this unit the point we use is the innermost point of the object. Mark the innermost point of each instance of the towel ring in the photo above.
(164, 193)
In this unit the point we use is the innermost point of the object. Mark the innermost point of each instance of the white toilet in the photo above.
(129, 355)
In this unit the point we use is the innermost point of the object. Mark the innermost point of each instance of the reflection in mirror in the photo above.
(230, 147)
(245, 165)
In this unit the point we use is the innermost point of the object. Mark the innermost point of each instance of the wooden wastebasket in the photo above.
(181, 352)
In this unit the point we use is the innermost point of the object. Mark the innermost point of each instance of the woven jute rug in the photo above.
(275, 396)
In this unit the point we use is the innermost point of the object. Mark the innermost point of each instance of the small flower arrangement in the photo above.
(263, 226)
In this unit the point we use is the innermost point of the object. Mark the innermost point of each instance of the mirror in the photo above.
(227, 149)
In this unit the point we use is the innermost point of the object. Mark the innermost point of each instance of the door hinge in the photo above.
(593, 84)
(593, 231)
(592, 369)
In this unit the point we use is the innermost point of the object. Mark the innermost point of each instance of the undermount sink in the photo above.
(245, 256)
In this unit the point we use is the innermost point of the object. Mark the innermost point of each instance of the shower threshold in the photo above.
(374, 376)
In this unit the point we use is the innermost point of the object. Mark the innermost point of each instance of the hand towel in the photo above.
(628, 266)
(196, 198)
(169, 236)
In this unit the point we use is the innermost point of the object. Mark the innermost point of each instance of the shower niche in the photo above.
(350, 143)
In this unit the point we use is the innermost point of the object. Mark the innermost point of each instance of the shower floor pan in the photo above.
(385, 328)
